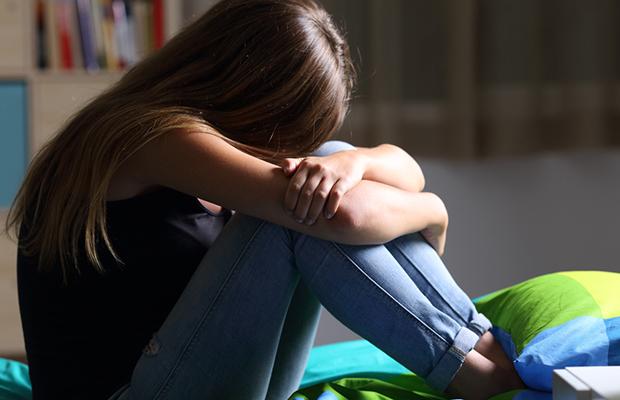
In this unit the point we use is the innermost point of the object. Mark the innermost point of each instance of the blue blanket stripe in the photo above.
(583, 341)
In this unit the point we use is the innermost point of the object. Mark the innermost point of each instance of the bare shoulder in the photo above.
(123, 185)
(197, 163)
(132, 177)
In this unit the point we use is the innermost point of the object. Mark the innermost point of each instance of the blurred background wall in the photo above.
(511, 107)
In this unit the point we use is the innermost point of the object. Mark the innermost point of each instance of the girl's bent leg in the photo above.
(296, 340)
(366, 289)
(302, 320)
(220, 339)
(426, 269)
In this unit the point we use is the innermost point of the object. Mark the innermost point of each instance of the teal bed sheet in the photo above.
(14, 381)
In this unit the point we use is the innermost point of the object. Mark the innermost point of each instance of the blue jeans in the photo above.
(245, 324)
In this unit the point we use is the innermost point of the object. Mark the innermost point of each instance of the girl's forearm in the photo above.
(376, 213)
(392, 166)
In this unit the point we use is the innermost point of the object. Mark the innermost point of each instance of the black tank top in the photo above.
(83, 339)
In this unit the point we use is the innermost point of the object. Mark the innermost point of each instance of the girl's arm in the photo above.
(384, 212)
(385, 163)
(207, 167)
(393, 166)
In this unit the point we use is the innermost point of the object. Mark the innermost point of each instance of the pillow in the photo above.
(557, 320)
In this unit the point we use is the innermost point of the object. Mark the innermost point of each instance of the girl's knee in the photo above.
(332, 146)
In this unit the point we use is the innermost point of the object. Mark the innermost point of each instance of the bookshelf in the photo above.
(34, 103)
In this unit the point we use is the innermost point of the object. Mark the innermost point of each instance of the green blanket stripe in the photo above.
(571, 300)
(603, 287)
(402, 387)
(506, 396)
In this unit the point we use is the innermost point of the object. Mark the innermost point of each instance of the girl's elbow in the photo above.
(418, 177)
(345, 224)
(421, 182)
(354, 227)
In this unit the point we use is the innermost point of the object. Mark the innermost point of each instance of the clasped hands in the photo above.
(318, 184)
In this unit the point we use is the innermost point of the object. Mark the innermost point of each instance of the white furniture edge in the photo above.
(587, 383)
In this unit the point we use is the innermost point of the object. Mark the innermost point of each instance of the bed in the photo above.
(547, 323)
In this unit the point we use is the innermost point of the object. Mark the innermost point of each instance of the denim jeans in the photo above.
(245, 324)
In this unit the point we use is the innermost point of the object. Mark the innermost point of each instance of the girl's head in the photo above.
(275, 75)
(272, 77)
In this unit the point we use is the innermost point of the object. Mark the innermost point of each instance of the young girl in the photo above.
(117, 213)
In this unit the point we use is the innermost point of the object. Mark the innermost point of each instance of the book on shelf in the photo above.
(42, 50)
(96, 35)
(87, 34)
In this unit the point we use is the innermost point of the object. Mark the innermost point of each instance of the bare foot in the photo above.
(491, 349)
(480, 378)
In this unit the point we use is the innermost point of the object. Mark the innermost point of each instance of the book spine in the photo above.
(109, 39)
(143, 11)
(64, 34)
(120, 31)
(51, 34)
(173, 17)
(41, 34)
(97, 13)
(132, 57)
(87, 35)
(76, 45)
(158, 23)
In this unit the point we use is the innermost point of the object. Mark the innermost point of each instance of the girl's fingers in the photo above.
(294, 188)
(305, 197)
(318, 201)
(335, 196)
(289, 165)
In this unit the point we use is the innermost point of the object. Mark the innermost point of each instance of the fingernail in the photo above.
(329, 215)
(310, 222)
(299, 220)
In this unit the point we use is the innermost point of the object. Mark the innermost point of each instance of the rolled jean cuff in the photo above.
(479, 324)
(452, 360)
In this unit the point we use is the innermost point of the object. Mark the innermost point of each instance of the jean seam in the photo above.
(190, 343)
(318, 267)
(463, 320)
(425, 326)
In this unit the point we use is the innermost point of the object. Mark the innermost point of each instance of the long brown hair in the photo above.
(272, 77)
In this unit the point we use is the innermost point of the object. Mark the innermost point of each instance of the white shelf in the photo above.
(77, 76)
(9, 74)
